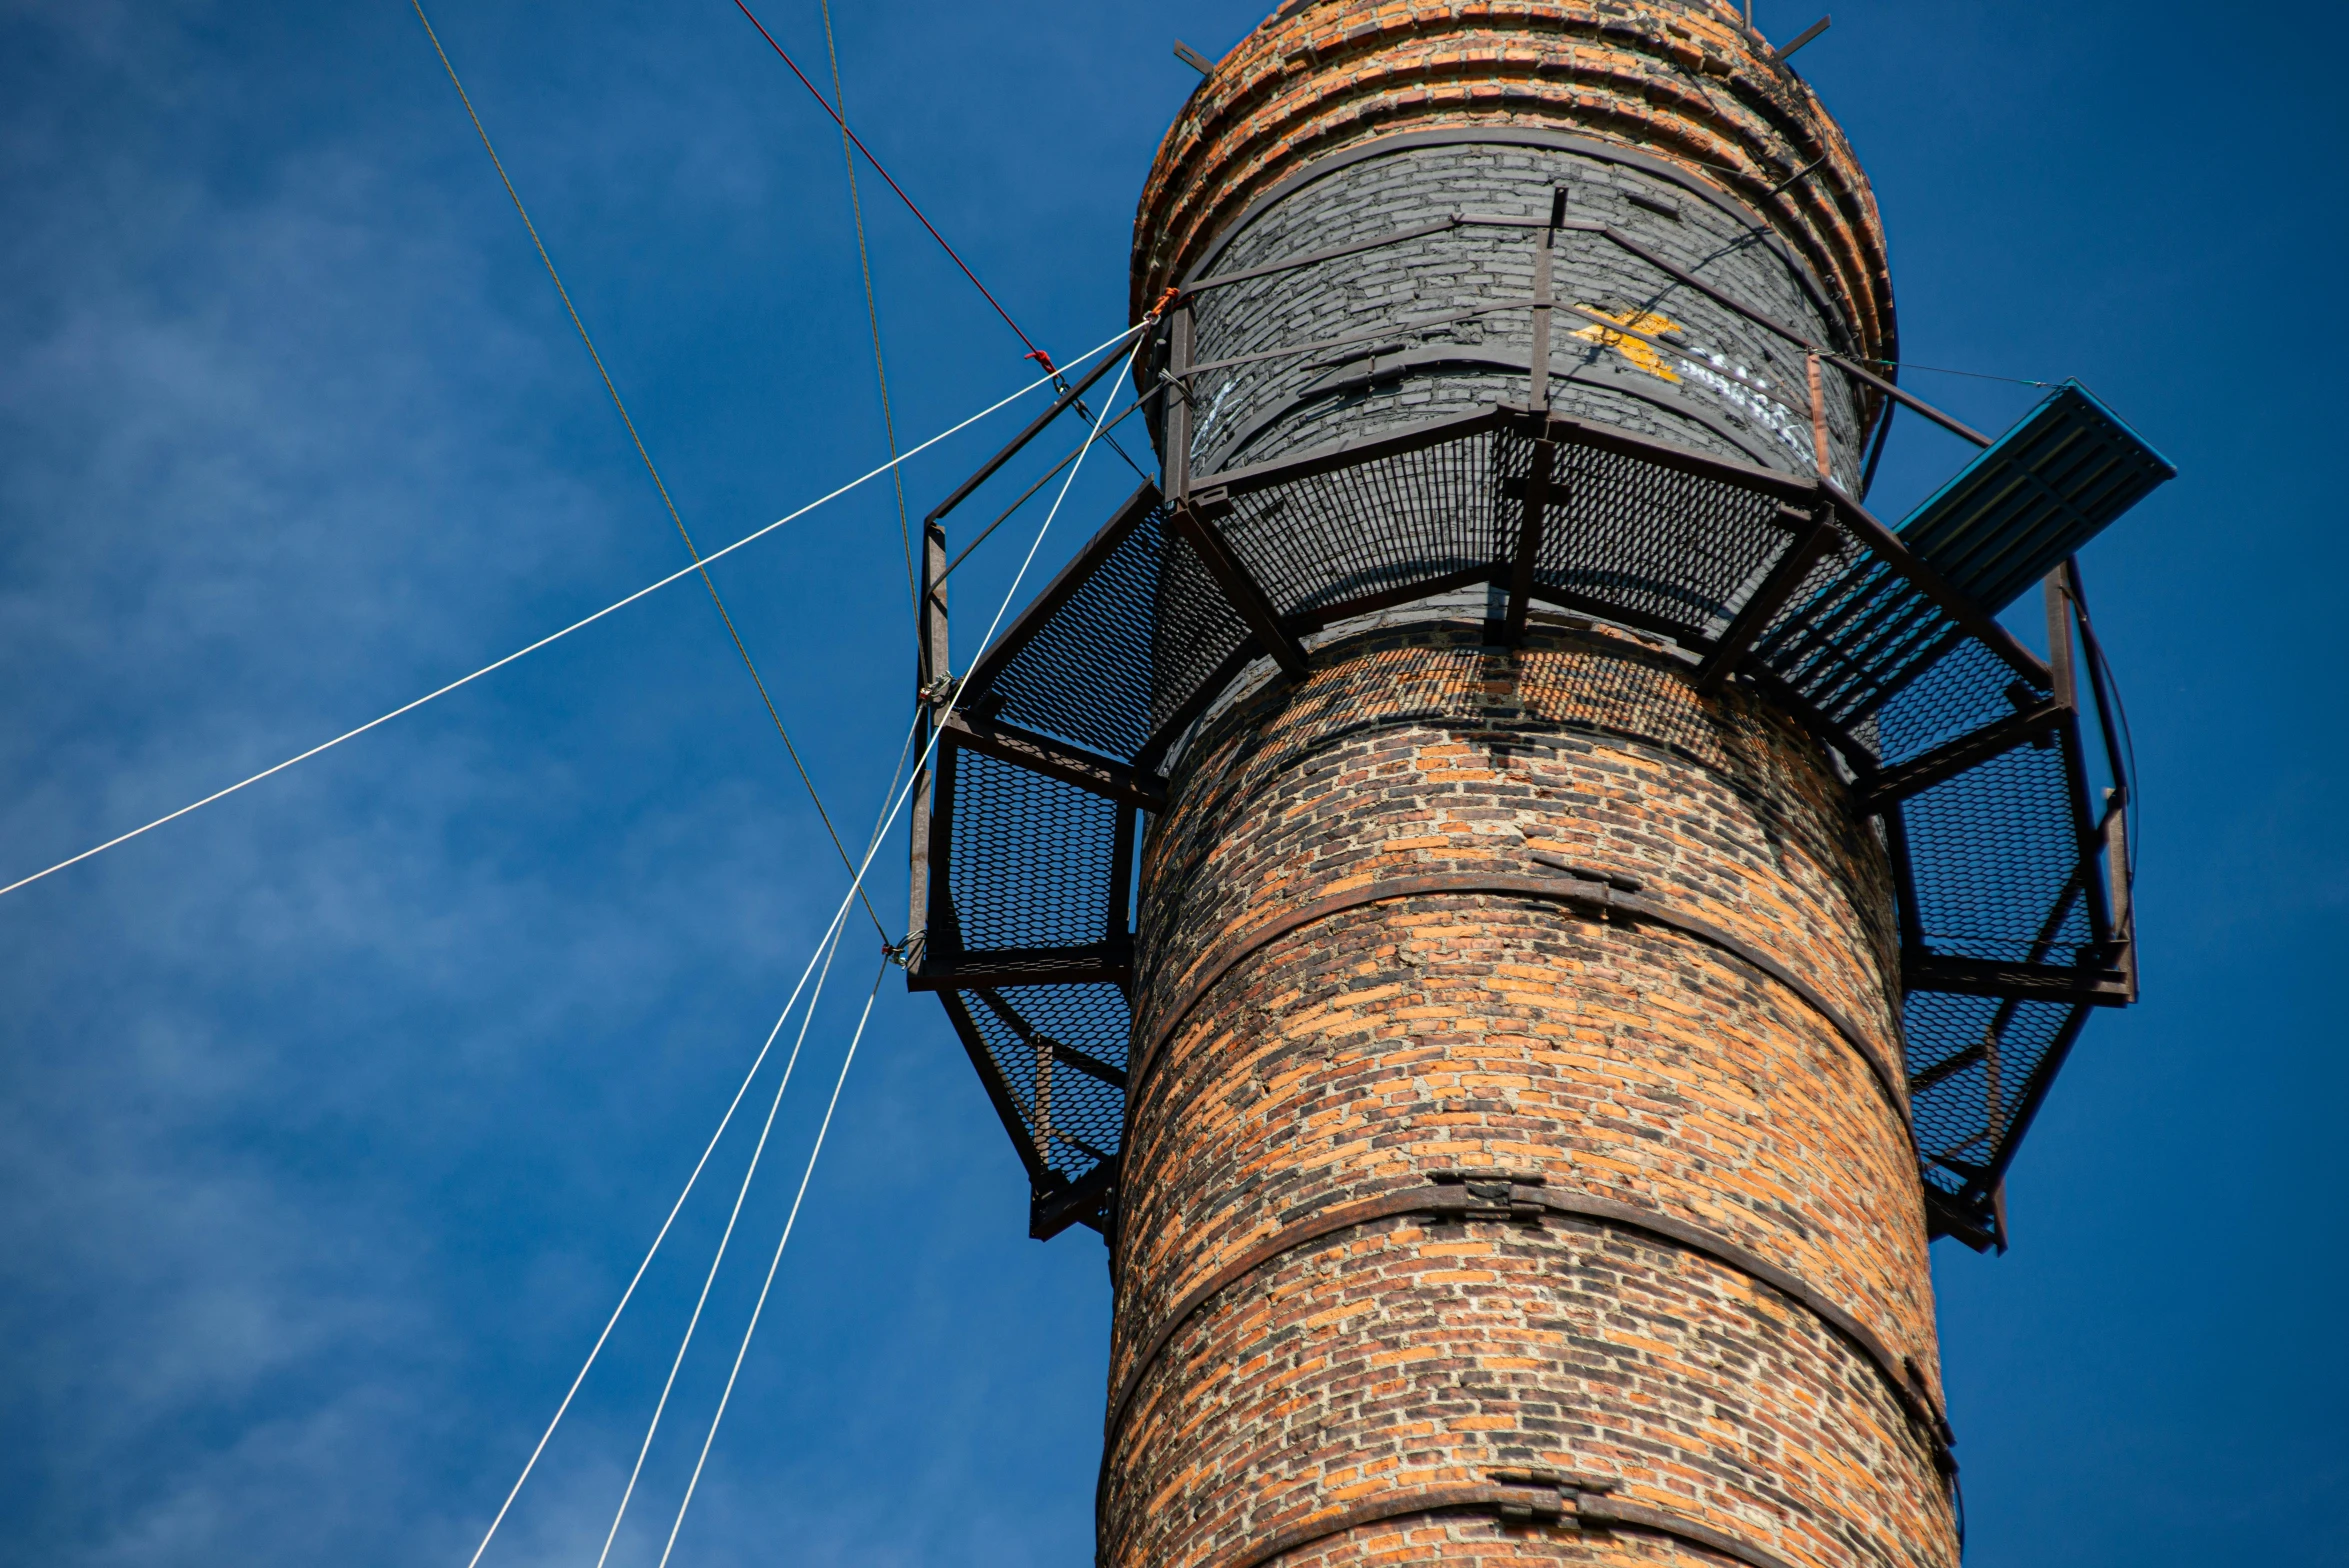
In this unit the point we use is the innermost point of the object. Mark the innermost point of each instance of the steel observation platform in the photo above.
(1970, 750)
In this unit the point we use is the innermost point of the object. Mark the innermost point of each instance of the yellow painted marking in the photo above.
(1641, 354)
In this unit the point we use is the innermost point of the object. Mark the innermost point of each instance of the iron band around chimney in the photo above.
(1572, 888)
(1519, 1499)
(1524, 1198)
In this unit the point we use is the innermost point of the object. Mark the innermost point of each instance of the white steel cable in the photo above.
(939, 727)
(832, 935)
(773, 1264)
(582, 622)
(830, 949)
(651, 1252)
(1095, 426)
(856, 883)
(880, 832)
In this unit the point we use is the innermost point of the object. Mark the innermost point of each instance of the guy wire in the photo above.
(841, 119)
(551, 638)
(856, 208)
(658, 484)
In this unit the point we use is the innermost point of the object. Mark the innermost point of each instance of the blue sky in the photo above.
(333, 1118)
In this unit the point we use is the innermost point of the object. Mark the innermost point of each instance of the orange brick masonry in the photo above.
(1358, 1055)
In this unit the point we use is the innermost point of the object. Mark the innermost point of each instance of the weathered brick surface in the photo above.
(1280, 1076)
(1738, 390)
(1682, 81)
(1358, 1054)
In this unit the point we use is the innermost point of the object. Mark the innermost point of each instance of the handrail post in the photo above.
(1175, 464)
(2059, 637)
(2116, 877)
(931, 670)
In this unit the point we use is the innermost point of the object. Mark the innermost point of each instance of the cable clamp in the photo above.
(939, 690)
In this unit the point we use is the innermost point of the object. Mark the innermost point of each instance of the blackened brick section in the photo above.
(1737, 390)
(1358, 1055)
(1681, 82)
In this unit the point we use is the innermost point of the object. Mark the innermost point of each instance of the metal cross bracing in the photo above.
(2012, 879)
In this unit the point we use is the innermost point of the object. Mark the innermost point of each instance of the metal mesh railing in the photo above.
(1653, 544)
(1968, 688)
(1050, 1046)
(1143, 631)
(1996, 867)
(1394, 522)
(1979, 1063)
(1853, 635)
(1995, 856)
(1031, 857)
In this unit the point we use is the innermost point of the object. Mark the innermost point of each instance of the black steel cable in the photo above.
(691, 548)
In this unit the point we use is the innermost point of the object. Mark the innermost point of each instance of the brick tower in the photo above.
(1515, 904)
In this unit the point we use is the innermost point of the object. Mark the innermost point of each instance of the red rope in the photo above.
(1034, 352)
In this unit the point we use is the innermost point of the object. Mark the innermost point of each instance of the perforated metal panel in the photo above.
(1996, 857)
(1060, 1051)
(1652, 545)
(1144, 630)
(1031, 861)
(1330, 540)
(1856, 634)
(1977, 1068)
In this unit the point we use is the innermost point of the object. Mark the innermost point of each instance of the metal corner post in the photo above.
(931, 667)
(1535, 514)
(1175, 464)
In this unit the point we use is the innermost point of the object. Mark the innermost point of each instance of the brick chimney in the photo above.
(1517, 1165)
(1515, 904)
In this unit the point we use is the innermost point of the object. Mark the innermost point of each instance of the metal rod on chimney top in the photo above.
(1176, 469)
(1537, 396)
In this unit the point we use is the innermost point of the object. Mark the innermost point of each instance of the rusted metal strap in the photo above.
(1572, 889)
(1057, 759)
(1605, 1513)
(1525, 1198)
(1377, 1510)
(1518, 1499)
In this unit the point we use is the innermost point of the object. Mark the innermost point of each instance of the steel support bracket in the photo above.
(1050, 1213)
(2099, 987)
(1241, 590)
(1770, 597)
(1947, 762)
(1056, 759)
